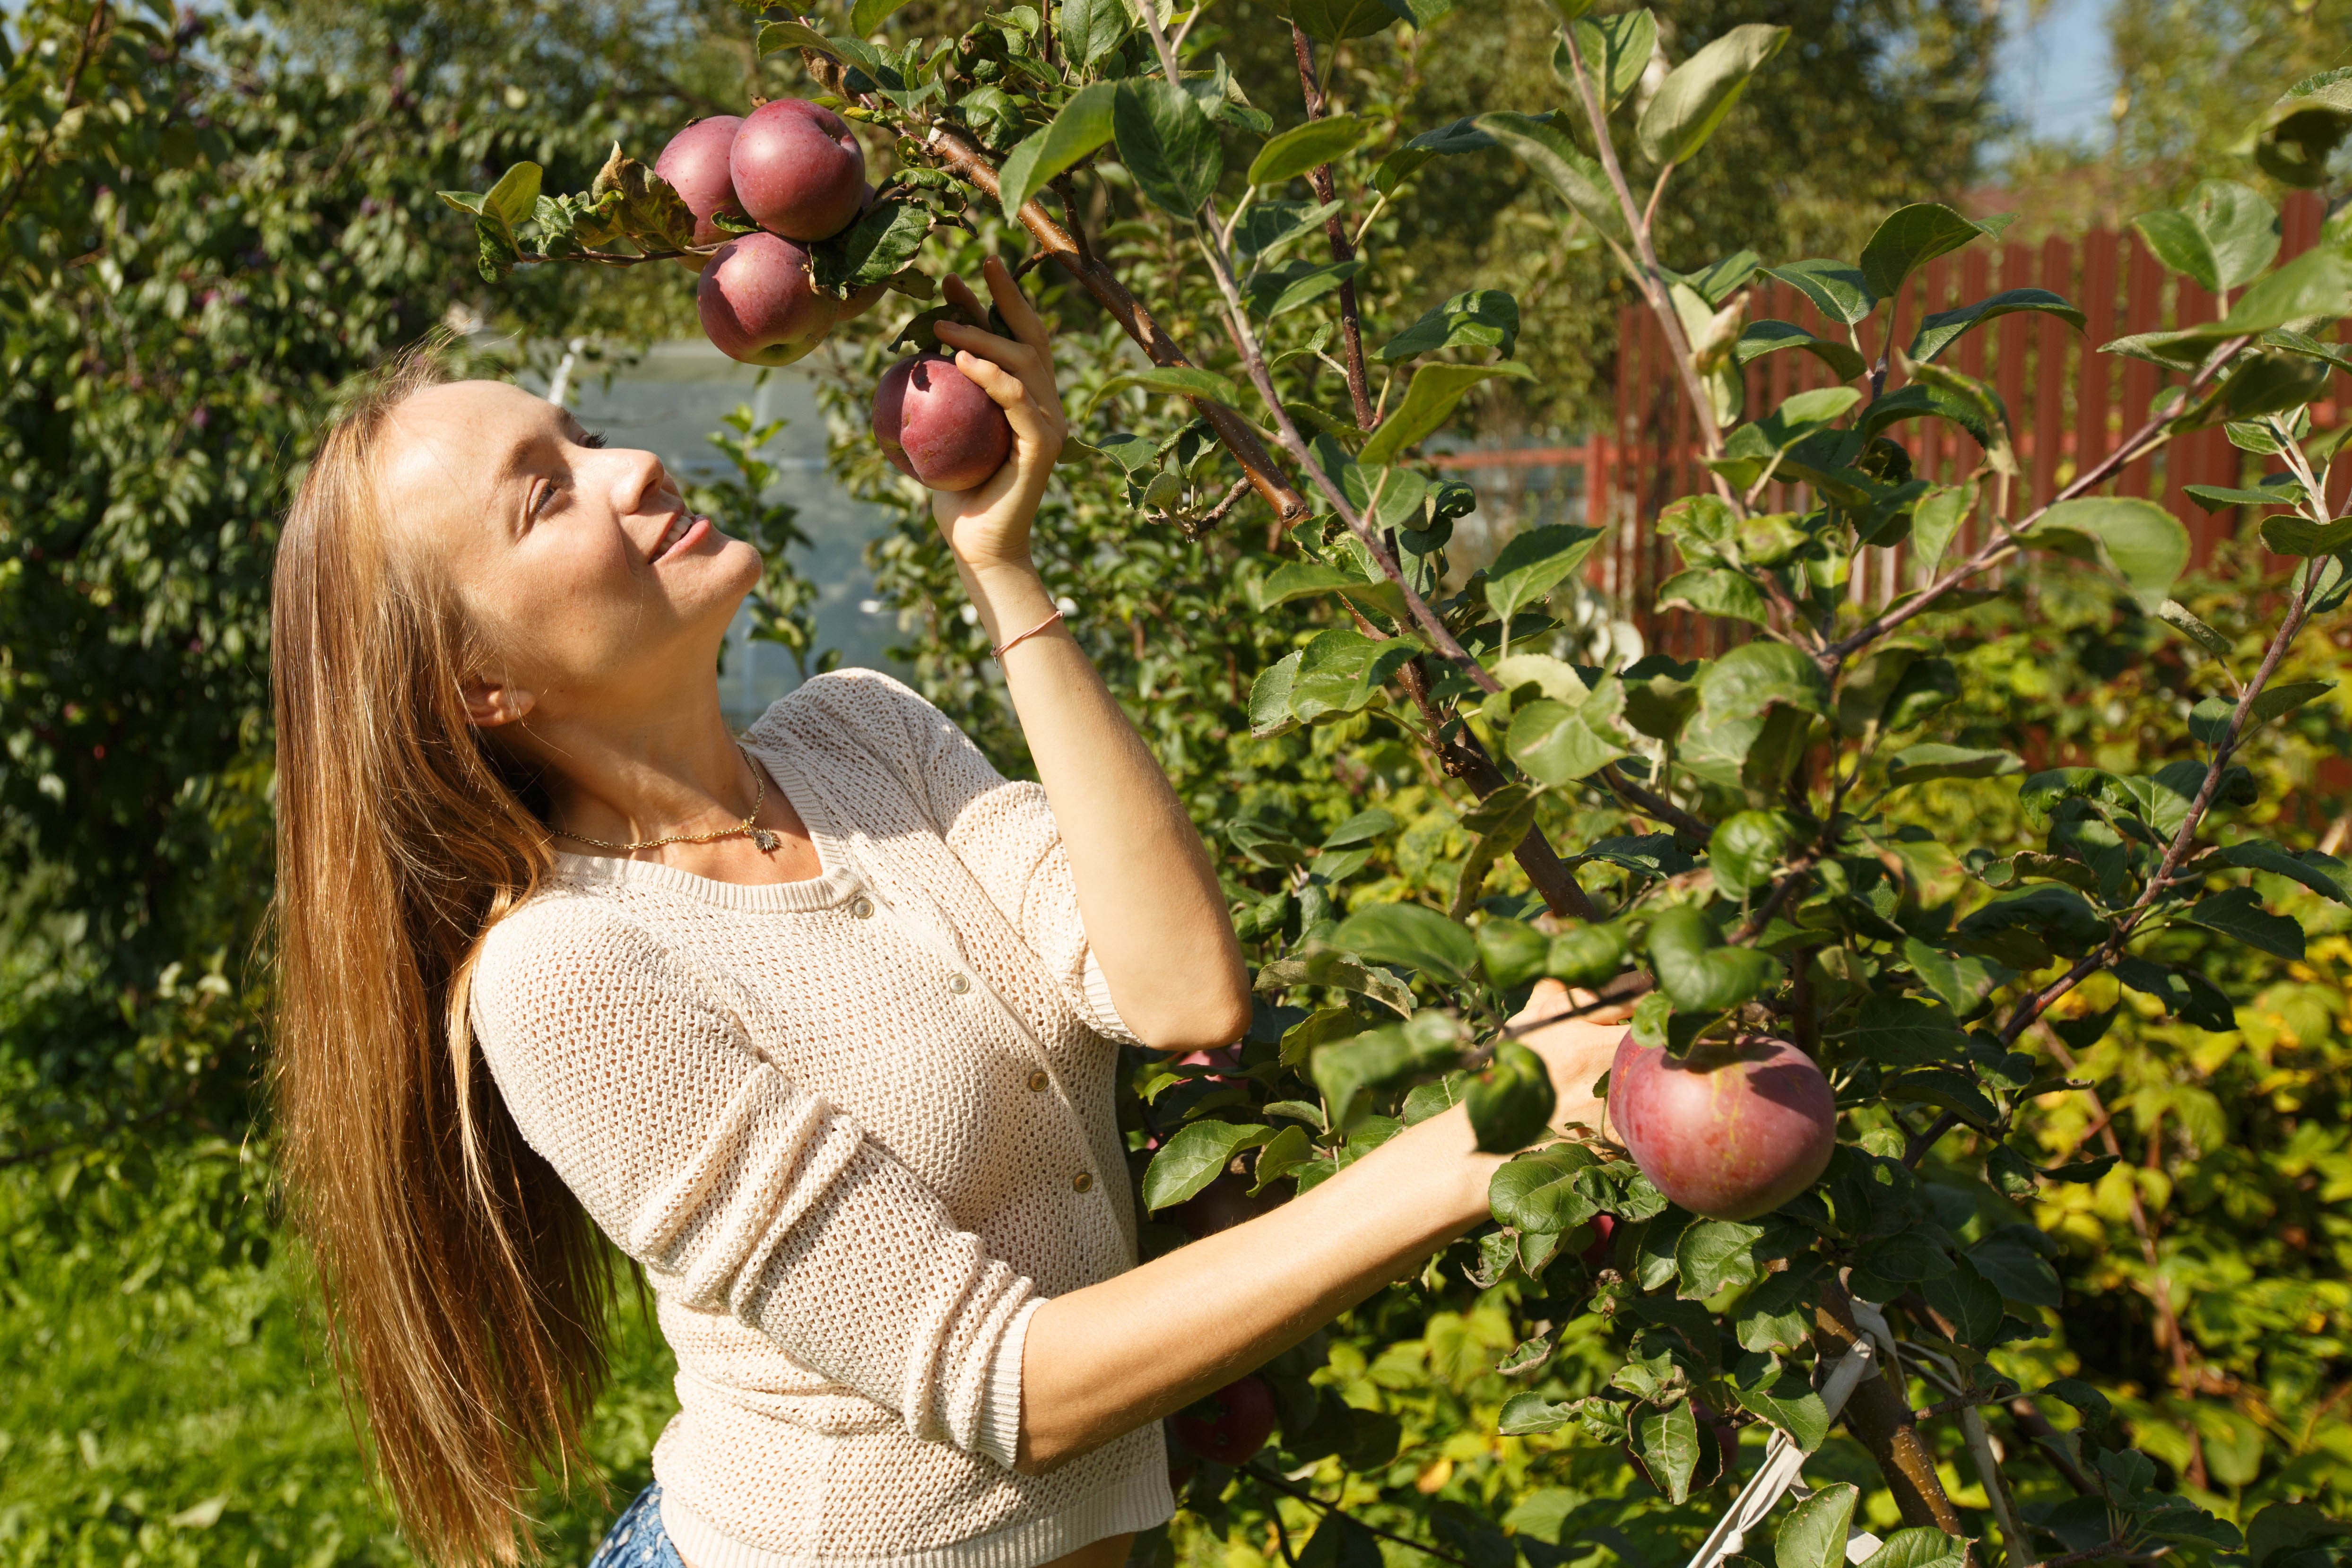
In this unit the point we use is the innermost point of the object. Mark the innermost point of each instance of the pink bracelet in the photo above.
(998, 651)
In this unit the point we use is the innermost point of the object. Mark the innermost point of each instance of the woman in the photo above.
(818, 1028)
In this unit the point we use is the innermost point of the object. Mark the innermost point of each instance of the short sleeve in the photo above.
(1001, 828)
(739, 1192)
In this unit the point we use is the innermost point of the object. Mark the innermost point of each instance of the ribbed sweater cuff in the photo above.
(1000, 1400)
(1100, 1009)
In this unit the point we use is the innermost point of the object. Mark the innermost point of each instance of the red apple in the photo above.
(797, 170)
(1243, 1422)
(758, 302)
(1604, 1228)
(934, 423)
(1728, 1132)
(695, 164)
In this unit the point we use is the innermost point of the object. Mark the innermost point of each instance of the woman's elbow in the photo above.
(1207, 1020)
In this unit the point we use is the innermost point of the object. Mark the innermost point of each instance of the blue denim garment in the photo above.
(637, 1539)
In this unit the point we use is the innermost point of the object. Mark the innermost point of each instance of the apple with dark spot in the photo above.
(695, 166)
(1731, 1129)
(1233, 1424)
(936, 424)
(760, 303)
(797, 170)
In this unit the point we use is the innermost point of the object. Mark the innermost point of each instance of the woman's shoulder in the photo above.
(557, 941)
(865, 707)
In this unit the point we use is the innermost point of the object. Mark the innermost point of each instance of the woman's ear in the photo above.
(490, 703)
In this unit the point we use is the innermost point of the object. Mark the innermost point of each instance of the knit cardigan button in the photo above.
(1084, 1181)
(1037, 1080)
(863, 908)
(959, 984)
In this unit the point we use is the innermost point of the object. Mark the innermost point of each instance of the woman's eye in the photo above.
(592, 438)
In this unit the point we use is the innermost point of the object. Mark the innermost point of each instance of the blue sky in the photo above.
(2055, 72)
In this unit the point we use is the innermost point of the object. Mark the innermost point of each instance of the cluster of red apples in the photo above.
(795, 170)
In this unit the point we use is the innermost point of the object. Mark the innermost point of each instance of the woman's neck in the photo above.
(630, 777)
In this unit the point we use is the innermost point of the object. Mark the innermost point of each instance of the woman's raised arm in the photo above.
(1155, 916)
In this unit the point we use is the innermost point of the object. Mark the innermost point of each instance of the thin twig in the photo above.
(1335, 228)
(91, 32)
(1277, 1484)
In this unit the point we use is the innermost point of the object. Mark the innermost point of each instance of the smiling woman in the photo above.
(823, 1036)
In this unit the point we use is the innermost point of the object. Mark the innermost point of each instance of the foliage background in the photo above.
(234, 213)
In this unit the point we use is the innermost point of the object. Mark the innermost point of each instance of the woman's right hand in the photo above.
(1577, 1050)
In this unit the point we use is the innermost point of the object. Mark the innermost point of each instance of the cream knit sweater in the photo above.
(857, 1129)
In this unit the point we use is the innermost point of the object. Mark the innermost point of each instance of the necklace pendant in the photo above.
(769, 842)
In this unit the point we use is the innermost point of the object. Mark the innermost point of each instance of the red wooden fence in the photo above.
(2069, 405)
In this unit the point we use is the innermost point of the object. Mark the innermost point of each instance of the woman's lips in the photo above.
(696, 527)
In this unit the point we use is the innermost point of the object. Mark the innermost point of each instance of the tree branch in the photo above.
(1879, 1416)
(92, 32)
(1335, 228)
(1275, 1483)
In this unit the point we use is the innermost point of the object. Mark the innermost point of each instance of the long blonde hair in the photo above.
(465, 1287)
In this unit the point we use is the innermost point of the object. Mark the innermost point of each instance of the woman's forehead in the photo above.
(462, 437)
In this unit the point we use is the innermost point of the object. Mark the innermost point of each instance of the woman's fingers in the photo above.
(1014, 306)
(1011, 394)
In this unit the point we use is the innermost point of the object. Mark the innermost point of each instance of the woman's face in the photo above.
(579, 565)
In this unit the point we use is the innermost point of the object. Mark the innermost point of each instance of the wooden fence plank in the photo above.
(2093, 437)
(2143, 312)
(2054, 342)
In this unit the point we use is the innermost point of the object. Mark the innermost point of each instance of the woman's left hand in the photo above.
(988, 528)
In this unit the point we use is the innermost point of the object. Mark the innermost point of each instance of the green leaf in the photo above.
(1948, 1088)
(1960, 982)
(2239, 913)
(1921, 1546)
(1410, 936)
(2138, 539)
(1269, 702)
(2302, 130)
(1194, 1157)
(1778, 1315)
(1587, 956)
(1181, 380)
(2277, 702)
(1746, 850)
(1696, 971)
(1814, 1533)
(1538, 1190)
(1267, 226)
(1905, 1031)
(1695, 96)
(1332, 21)
(1512, 952)
(1969, 1300)
(1616, 50)
(1167, 143)
(1917, 763)
(885, 239)
(2224, 237)
(1285, 157)
(2291, 534)
(1427, 404)
(777, 36)
(1554, 155)
(1360, 829)
(2323, 874)
(1481, 318)
(1272, 292)
(1837, 288)
(1284, 1153)
(1511, 1101)
(1533, 564)
(1714, 1253)
(2018, 1272)
(1945, 327)
(1910, 237)
(1718, 590)
(1341, 671)
(865, 15)
(2183, 620)
(1091, 29)
(2185, 994)
(1447, 140)
(1348, 1071)
(1556, 744)
(1771, 335)
(1084, 123)
(514, 197)
(1667, 1445)
(1783, 1396)
(1522, 1413)
(1500, 821)
(1742, 683)
(2213, 498)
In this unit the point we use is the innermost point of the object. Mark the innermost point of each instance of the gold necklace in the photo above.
(765, 837)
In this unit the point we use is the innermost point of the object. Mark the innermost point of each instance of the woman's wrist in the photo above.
(1008, 596)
